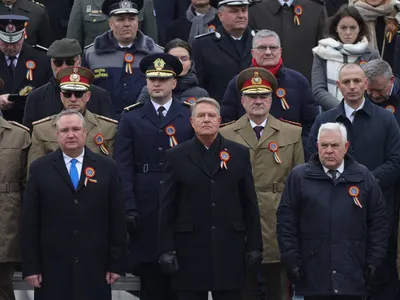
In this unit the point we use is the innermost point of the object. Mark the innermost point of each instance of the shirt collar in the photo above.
(122, 46)
(7, 57)
(340, 169)
(67, 159)
(262, 124)
(349, 110)
(289, 2)
(166, 105)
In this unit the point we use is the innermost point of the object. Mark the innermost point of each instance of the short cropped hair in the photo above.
(264, 34)
(338, 127)
(70, 112)
(205, 100)
(376, 68)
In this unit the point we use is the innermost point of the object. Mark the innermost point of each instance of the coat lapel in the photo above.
(150, 113)
(60, 166)
(195, 157)
(20, 69)
(225, 44)
(271, 127)
(172, 113)
(90, 121)
(222, 147)
(88, 161)
(244, 129)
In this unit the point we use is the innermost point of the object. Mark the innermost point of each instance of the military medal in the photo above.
(191, 100)
(354, 192)
(273, 147)
(128, 58)
(99, 141)
(390, 32)
(89, 173)
(298, 11)
(30, 66)
(212, 28)
(224, 155)
(170, 131)
(391, 108)
(281, 93)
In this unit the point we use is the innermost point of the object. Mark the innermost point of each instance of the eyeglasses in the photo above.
(58, 62)
(78, 94)
(183, 58)
(263, 48)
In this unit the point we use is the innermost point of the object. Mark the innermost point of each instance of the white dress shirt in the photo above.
(262, 124)
(78, 164)
(14, 62)
(340, 170)
(289, 2)
(349, 110)
(166, 106)
(122, 46)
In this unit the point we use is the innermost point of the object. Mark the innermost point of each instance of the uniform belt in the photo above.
(275, 187)
(9, 187)
(148, 169)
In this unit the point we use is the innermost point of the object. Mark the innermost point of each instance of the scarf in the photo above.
(273, 70)
(336, 55)
(199, 23)
(389, 12)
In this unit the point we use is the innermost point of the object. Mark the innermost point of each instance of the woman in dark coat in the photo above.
(187, 88)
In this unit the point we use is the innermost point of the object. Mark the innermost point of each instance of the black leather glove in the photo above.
(168, 262)
(369, 275)
(294, 275)
(253, 258)
(132, 220)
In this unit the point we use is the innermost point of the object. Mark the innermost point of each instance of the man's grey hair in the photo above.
(377, 68)
(264, 34)
(70, 112)
(338, 127)
(205, 100)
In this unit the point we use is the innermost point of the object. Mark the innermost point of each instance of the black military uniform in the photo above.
(218, 57)
(144, 134)
(45, 101)
(38, 29)
(29, 69)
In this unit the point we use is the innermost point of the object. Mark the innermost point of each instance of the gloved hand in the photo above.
(253, 257)
(369, 275)
(168, 262)
(294, 275)
(132, 220)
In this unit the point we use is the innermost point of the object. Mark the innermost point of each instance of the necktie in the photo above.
(258, 130)
(353, 114)
(334, 174)
(160, 114)
(11, 66)
(73, 173)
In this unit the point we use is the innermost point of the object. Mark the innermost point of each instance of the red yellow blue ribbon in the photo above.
(89, 173)
(170, 131)
(354, 192)
(99, 141)
(30, 66)
(128, 58)
(224, 156)
(273, 147)
(298, 11)
(281, 93)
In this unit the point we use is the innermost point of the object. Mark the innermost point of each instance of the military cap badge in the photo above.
(159, 64)
(256, 80)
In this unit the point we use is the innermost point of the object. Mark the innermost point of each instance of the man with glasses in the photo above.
(222, 54)
(45, 101)
(275, 149)
(292, 99)
(114, 56)
(75, 94)
(22, 67)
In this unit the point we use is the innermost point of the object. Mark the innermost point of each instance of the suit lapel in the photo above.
(88, 161)
(172, 113)
(150, 113)
(60, 166)
(195, 157)
(244, 129)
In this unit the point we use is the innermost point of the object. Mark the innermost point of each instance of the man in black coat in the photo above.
(209, 227)
(22, 68)
(374, 137)
(221, 55)
(73, 229)
(146, 131)
(331, 222)
(45, 101)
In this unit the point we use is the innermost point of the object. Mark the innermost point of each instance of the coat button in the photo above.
(75, 231)
(213, 205)
(161, 182)
(333, 272)
(76, 259)
(76, 201)
(160, 148)
(213, 228)
(336, 291)
(212, 181)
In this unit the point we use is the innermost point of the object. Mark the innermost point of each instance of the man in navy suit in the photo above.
(73, 229)
(145, 132)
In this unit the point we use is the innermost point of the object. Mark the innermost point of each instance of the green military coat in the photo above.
(269, 176)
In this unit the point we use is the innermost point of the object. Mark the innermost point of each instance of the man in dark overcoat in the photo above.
(73, 228)
(145, 132)
(209, 228)
(331, 222)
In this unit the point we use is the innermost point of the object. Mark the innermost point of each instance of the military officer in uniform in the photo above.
(14, 143)
(221, 55)
(22, 67)
(38, 30)
(75, 93)
(115, 55)
(145, 132)
(275, 149)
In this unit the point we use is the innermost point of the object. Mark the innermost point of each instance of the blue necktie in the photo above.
(73, 173)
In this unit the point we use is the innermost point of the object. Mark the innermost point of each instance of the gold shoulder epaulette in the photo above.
(107, 119)
(226, 124)
(42, 120)
(19, 125)
(130, 107)
(291, 122)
